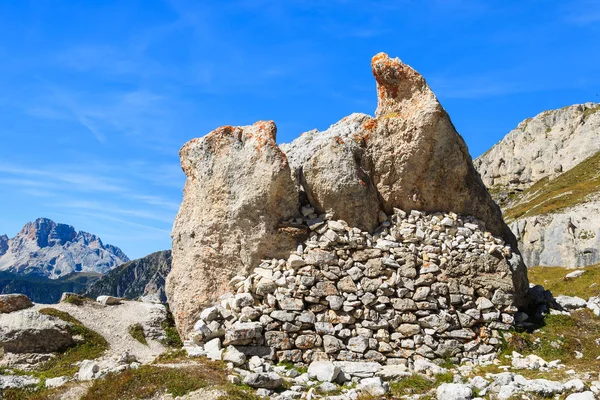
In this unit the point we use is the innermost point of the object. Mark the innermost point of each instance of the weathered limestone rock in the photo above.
(238, 190)
(29, 331)
(538, 151)
(14, 302)
(336, 183)
(412, 154)
(416, 158)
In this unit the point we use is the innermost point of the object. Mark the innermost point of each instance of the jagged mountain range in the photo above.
(47, 258)
(53, 250)
(545, 175)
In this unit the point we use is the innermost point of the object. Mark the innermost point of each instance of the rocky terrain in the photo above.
(138, 278)
(545, 174)
(45, 248)
(364, 262)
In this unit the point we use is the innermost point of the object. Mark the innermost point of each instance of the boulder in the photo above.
(88, 370)
(336, 183)
(108, 300)
(238, 191)
(454, 391)
(267, 380)
(28, 331)
(410, 153)
(14, 302)
(323, 371)
(570, 302)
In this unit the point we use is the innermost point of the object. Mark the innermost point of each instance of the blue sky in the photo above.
(97, 97)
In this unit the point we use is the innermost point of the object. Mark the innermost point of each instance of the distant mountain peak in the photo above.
(46, 248)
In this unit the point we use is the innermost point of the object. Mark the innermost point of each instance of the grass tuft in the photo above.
(172, 335)
(137, 332)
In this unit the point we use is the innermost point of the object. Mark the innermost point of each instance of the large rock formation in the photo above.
(409, 157)
(29, 331)
(410, 152)
(545, 175)
(143, 277)
(238, 191)
(53, 250)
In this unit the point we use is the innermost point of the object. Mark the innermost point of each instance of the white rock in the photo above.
(16, 381)
(358, 368)
(423, 365)
(88, 370)
(324, 371)
(543, 387)
(108, 300)
(575, 274)
(235, 356)
(392, 372)
(454, 391)
(56, 382)
(295, 261)
(373, 386)
(479, 383)
(213, 349)
(571, 302)
(581, 396)
(209, 314)
(594, 305)
(575, 385)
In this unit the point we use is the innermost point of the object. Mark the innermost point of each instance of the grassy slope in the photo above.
(553, 195)
(553, 279)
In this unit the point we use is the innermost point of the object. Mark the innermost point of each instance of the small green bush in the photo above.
(137, 332)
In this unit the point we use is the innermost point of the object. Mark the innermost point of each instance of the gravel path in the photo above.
(113, 323)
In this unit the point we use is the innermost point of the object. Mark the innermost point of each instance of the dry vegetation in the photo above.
(566, 190)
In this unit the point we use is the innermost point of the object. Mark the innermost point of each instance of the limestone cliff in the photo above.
(545, 174)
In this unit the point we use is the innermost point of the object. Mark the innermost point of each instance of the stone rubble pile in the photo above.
(422, 286)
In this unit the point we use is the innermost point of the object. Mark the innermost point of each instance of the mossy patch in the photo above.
(92, 346)
(566, 190)
(553, 279)
(587, 111)
(137, 332)
(172, 335)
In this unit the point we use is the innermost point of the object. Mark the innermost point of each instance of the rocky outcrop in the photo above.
(569, 238)
(544, 174)
(546, 145)
(238, 191)
(408, 157)
(53, 250)
(411, 154)
(14, 302)
(29, 331)
(143, 277)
